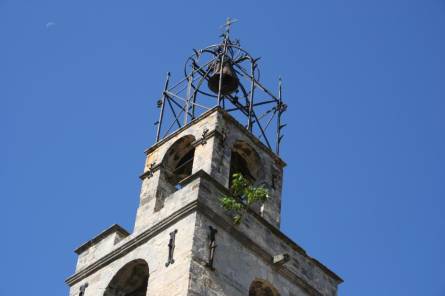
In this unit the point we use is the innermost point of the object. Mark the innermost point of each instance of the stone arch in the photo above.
(176, 165)
(245, 160)
(177, 162)
(262, 288)
(130, 280)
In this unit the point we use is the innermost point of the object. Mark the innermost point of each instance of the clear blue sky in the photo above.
(364, 188)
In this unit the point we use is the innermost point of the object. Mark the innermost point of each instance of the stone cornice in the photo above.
(112, 229)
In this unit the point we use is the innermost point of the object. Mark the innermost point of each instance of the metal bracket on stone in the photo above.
(280, 259)
(151, 169)
(171, 248)
(212, 246)
(224, 134)
(82, 289)
(206, 134)
(274, 181)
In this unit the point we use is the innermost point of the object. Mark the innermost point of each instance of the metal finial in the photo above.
(228, 24)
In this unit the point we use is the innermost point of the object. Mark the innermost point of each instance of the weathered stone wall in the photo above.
(235, 267)
(172, 280)
(155, 189)
(146, 215)
(256, 238)
(216, 134)
(270, 167)
(98, 250)
(244, 253)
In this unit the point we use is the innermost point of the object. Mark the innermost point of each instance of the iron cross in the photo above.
(228, 24)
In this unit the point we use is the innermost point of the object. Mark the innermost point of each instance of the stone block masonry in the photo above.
(169, 251)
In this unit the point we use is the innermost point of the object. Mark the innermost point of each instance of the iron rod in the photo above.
(221, 68)
(189, 86)
(182, 99)
(252, 88)
(161, 114)
(263, 103)
(237, 104)
(181, 90)
(279, 106)
(257, 83)
(269, 121)
(185, 78)
(173, 122)
(265, 113)
(262, 131)
(195, 92)
(176, 104)
(174, 113)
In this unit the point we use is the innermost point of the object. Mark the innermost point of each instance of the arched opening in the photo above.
(239, 165)
(245, 160)
(178, 161)
(262, 288)
(130, 280)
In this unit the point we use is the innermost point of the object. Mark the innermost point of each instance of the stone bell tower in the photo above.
(184, 242)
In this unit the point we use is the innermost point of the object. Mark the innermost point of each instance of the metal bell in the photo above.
(229, 81)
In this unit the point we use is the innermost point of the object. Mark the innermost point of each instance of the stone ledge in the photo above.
(115, 228)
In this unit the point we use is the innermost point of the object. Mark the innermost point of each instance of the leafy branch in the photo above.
(243, 195)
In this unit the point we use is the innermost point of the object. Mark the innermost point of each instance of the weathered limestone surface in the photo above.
(99, 246)
(172, 280)
(244, 252)
(216, 134)
(236, 267)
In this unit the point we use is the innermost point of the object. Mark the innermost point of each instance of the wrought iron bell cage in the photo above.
(223, 75)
